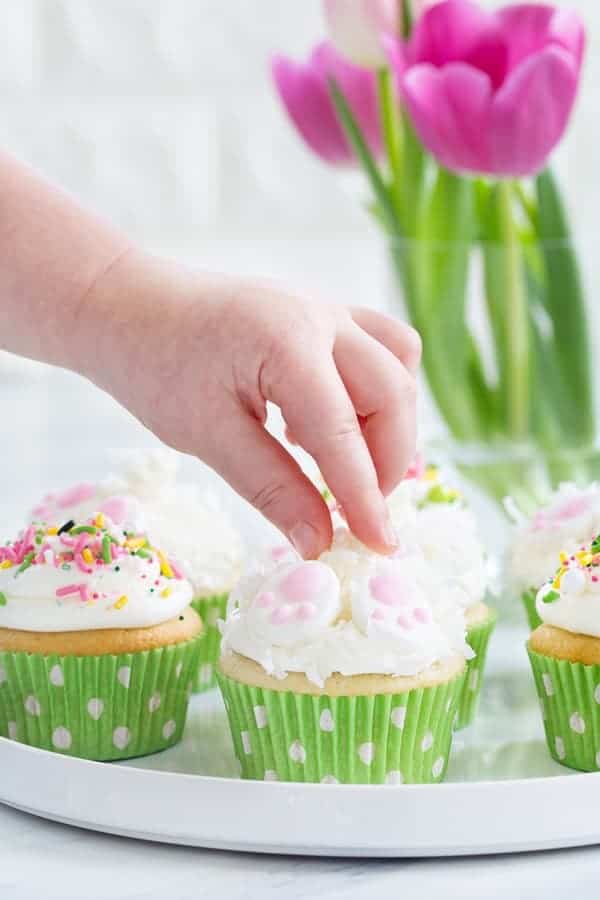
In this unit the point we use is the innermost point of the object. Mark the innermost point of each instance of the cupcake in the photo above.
(340, 670)
(570, 518)
(431, 518)
(189, 525)
(565, 658)
(98, 642)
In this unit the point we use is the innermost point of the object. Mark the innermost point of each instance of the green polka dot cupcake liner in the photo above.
(384, 739)
(569, 695)
(528, 601)
(98, 707)
(478, 638)
(210, 610)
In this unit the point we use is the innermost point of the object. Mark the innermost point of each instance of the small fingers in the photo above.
(400, 338)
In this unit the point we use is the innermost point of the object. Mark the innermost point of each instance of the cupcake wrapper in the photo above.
(570, 702)
(388, 738)
(528, 600)
(98, 707)
(478, 638)
(210, 609)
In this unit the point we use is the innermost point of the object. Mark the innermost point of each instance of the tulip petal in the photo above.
(461, 31)
(358, 86)
(531, 111)
(449, 109)
(307, 101)
(531, 27)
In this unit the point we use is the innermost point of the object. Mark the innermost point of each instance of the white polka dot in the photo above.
(124, 675)
(213, 616)
(245, 735)
(427, 742)
(178, 669)
(438, 767)
(398, 716)
(271, 775)
(56, 676)
(326, 722)
(13, 731)
(329, 779)
(154, 702)
(559, 746)
(169, 729)
(32, 706)
(297, 752)
(577, 723)
(394, 777)
(448, 704)
(260, 716)
(95, 708)
(205, 673)
(61, 738)
(598, 759)
(3, 675)
(596, 692)
(121, 737)
(543, 708)
(366, 753)
(473, 679)
(548, 686)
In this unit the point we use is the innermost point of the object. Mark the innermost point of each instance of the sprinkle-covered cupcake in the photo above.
(98, 643)
(565, 657)
(570, 519)
(339, 670)
(188, 524)
(431, 518)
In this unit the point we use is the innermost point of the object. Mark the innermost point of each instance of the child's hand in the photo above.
(196, 359)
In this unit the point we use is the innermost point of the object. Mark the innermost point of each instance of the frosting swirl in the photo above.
(87, 576)
(569, 520)
(351, 612)
(146, 496)
(571, 599)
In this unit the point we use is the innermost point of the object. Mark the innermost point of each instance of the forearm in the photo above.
(52, 252)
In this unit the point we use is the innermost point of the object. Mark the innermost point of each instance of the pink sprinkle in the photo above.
(82, 565)
(388, 589)
(67, 590)
(266, 599)
(175, 569)
(304, 580)
(594, 578)
(417, 469)
(77, 494)
(422, 615)
(115, 508)
(68, 541)
(81, 542)
(404, 622)
(83, 593)
(282, 615)
(306, 611)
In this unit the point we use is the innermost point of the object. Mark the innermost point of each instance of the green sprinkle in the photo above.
(106, 549)
(143, 553)
(440, 494)
(26, 562)
(326, 494)
(2, 599)
(66, 567)
(551, 597)
(83, 529)
(38, 539)
(596, 545)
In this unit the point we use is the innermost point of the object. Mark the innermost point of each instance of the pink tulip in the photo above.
(356, 26)
(303, 88)
(490, 92)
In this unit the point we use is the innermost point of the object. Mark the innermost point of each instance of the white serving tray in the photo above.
(503, 793)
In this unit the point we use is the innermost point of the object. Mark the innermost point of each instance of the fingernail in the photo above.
(305, 539)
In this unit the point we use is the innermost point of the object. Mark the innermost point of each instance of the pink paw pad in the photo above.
(77, 494)
(301, 583)
(389, 590)
(115, 508)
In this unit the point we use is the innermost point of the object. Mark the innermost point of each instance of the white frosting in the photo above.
(570, 520)
(177, 516)
(30, 600)
(352, 613)
(571, 600)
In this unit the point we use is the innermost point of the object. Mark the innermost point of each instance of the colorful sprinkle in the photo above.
(121, 602)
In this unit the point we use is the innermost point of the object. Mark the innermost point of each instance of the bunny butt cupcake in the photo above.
(570, 519)
(431, 518)
(565, 657)
(338, 670)
(180, 518)
(98, 643)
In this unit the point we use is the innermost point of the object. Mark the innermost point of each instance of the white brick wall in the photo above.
(161, 114)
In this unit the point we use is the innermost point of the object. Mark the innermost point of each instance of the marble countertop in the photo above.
(44, 859)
